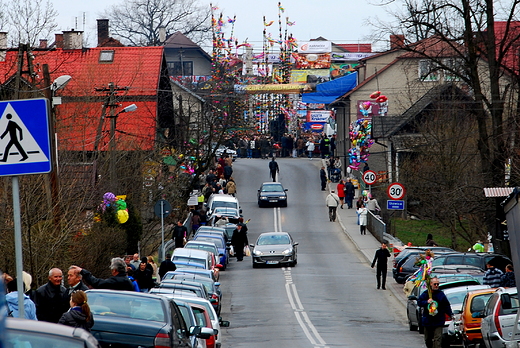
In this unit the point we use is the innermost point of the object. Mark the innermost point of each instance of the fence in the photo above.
(376, 226)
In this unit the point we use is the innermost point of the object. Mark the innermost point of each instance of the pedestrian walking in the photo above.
(323, 178)
(79, 314)
(179, 233)
(239, 241)
(381, 259)
(436, 308)
(332, 201)
(340, 188)
(310, 148)
(274, 169)
(362, 215)
(350, 191)
(166, 266)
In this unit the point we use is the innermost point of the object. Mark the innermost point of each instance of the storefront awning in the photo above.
(328, 92)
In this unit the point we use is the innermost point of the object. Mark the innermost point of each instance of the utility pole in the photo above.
(110, 103)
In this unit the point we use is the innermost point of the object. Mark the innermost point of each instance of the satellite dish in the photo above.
(60, 82)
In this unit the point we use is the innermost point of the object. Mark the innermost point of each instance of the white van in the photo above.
(221, 200)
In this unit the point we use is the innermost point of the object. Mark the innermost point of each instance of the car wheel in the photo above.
(411, 326)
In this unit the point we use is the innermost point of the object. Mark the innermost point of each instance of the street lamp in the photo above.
(112, 143)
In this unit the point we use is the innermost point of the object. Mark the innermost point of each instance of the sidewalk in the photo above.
(366, 244)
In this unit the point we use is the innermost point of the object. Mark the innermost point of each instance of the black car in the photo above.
(473, 259)
(418, 249)
(272, 193)
(132, 319)
(407, 265)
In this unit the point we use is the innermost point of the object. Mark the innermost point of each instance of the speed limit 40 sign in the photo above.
(369, 177)
(395, 191)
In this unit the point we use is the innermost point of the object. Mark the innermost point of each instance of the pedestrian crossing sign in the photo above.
(24, 137)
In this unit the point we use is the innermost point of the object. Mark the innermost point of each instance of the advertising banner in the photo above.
(371, 108)
(301, 76)
(314, 47)
(349, 56)
(341, 69)
(313, 126)
(313, 61)
(318, 115)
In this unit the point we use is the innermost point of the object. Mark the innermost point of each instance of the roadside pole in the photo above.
(18, 245)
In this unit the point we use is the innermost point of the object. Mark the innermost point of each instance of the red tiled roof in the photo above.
(434, 47)
(512, 38)
(138, 68)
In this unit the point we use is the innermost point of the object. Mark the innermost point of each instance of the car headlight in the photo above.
(287, 251)
(257, 253)
(263, 197)
(282, 197)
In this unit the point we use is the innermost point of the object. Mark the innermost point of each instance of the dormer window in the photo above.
(106, 56)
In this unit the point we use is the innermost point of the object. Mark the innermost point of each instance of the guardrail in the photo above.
(376, 226)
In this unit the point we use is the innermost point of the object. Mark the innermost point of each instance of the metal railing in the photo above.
(376, 226)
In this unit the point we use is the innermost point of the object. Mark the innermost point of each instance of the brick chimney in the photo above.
(102, 31)
(58, 40)
(72, 40)
(43, 43)
(396, 41)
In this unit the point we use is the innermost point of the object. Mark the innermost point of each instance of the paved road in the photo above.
(329, 299)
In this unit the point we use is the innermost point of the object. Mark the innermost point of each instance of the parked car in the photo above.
(498, 319)
(458, 272)
(170, 284)
(222, 200)
(418, 250)
(401, 272)
(133, 319)
(206, 246)
(203, 319)
(469, 326)
(414, 312)
(272, 193)
(206, 259)
(472, 259)
(221, 244)
(190, 320)
(231, 214)
(274, 248)
(212, 288)
(215, 230)
(199, 272)
(456, 297)
(30, 333)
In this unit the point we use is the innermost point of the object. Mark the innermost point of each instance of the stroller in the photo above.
(335, 175)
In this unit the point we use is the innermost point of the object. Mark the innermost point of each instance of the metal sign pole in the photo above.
(18, 245)
(162, 230)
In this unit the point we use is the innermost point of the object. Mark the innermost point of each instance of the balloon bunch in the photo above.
(116, 204)
(379, 97)
(361, 138)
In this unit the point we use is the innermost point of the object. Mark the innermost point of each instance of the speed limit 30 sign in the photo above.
(369, 177)
(395, 191)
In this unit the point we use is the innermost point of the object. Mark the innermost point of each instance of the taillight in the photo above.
(497, 319)
(447, 317)
(215, 297)
(162, 340)
(473, 325)
(210, 342)
(401, 269)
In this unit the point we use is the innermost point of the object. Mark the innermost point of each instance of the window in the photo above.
(106, 56)
(428, 70)
(181, 68)
(456, 65)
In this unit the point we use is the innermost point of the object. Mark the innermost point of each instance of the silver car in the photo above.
(274, 248)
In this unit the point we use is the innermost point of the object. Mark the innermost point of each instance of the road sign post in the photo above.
(24, 149)
(162, 209)
(395, 191)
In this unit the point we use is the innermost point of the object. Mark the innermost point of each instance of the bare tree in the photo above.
(482, 52)
(138, 21)
(29, 20)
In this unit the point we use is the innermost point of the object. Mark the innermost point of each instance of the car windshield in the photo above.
(273, 240)
(22, 338)
(272, 188)
(479, 302)
(217, 204)
(126, 306)
(207, 248)
(189, 259)
(456, 298)
(217, 241)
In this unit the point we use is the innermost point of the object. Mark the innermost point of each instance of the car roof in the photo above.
(457, 283)
(180, 282)
(457, 269)
(274, 234)
(466, 288)
(191, 271)
(271, 182)
(200, 242)
(473, 293)
(188, 252)
(188, 264)
(206, 235)
(223, 197)
(43, 327)
(210, 228)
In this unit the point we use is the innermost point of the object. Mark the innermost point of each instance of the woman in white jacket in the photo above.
(310, 148)
(362, 214)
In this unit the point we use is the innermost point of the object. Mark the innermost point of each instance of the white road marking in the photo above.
(294, 299)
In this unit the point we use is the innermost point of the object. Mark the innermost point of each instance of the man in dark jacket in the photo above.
(239, 241)
(179, 232)
(323, 178)
(166, 266)
(381, 258)
(434, 322)
(75, 280)
(350, 192)
(52, 299)
(273, 169)
(118, 281)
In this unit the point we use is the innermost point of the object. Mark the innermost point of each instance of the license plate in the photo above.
(273, 200)
(272, 262)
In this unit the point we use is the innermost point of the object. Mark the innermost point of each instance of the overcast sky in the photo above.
(341, 21)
